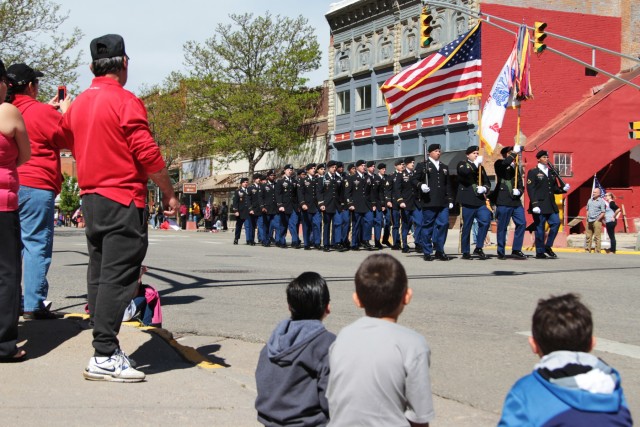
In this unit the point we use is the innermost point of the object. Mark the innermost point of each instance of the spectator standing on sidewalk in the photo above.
(116, 155)
(224, 215)
(611, 219)
(183, 216)
(15, 150)
(596, 208)
(40, 182)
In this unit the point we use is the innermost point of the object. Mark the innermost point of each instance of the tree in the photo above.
(69, 194)
(246, 94)
(30, 33)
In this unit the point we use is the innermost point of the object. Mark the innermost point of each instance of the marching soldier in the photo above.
(269, 208)
(381, 215)
(542, 184)
(472, 196)
(358, 197)
(255, 213)
(311, 220)
(410, 212)
(328, 189)
(432, 178)
(240, 206)
(285, 198)
(506, 197)
(392, 201)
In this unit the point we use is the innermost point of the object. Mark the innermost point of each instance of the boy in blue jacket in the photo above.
(569, 386)
(293, 368)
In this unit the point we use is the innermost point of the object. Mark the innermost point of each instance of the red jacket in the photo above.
(45, 134)
(111, 142)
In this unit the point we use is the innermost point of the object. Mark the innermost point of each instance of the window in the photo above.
(363, 98)
(343, 104)
(380, 97)
(562, 163)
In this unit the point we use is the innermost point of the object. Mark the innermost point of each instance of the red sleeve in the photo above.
(138, 135)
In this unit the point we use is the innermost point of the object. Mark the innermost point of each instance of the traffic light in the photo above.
(634, 128)
(425, 28)
(538, 37)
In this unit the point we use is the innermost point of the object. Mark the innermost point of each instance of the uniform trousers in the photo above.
(117, 244)
(435, 223)
(539, 221)
(311, 223)
(294, 226)
(481, 214)
(504, 214)
(281, 234)
(361, 227)
(395, 230)
(377, 225)
(332, 230)
(411, 217)
(345, 224)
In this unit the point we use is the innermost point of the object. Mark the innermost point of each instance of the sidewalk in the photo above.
(192, 380)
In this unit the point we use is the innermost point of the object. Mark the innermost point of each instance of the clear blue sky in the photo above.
(156, 30)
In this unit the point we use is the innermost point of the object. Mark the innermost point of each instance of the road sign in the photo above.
(190, 188)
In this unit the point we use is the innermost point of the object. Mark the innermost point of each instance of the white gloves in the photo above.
(478, 161)
(536, 210)
(566, 187)
(450, 205)
(481, 190)
(517, 148)
(516, 192)
(425, 188)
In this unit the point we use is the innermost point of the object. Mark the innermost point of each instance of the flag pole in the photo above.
(480, 138)
(515, 182)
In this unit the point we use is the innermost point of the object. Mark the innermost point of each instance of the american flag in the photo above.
(453, 73)
(596, 184)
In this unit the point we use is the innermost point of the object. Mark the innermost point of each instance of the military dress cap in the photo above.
(506, 149)
(332, 163)
(433, 147)
(339, 164)
(320, 166)
(244, 180)
(360, 162)
(310, 166)
(287, 166)
(256, 176)
(271, 172)
(371, 163)
(263, 177)
(398, 162)
(302, 171)
(22, 74)
(351, 166)
(542, 153)
(472, 149)
(107, 46)
(409, 160)
(382, 166)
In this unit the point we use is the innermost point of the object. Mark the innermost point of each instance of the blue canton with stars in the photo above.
(469, 51)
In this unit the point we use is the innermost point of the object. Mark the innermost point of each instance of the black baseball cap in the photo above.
(21, 74)
(107, 46)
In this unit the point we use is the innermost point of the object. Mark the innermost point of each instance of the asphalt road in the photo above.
(474, 314)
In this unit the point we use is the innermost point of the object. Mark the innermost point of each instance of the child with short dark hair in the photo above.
(293, 368)
(569, 386)
(379, 369)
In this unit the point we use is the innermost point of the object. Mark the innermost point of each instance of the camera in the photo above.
(62, 93)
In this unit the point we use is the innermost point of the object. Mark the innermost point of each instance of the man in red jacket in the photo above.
(115, 153)
(40, 181)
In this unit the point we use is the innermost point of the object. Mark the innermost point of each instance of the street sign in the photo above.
(190, 188)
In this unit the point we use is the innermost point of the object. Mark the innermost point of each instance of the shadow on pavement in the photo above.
(44, 336)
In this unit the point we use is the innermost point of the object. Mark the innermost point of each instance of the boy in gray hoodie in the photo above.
(293, 368)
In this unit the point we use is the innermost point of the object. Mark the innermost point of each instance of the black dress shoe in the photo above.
(405, 250)
(266, 245)
(549, 251)
(386, 242)
(480, 253)
(541, 256)
(307, 248)
(466, 255)
(518, 255)
(342, 248)
(327, 249)
(428, 258)
(251, 243)
(235, 241)
(296, 245)
(367, 245)
(355, 248)
(395, 247)
(502, 256)
(379, 245)
(442, 256)
(418, 248)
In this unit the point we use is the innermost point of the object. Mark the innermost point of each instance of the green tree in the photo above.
(30, 33)
(69, 194)
(246, 90)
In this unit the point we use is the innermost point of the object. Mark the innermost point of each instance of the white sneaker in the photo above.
(116, 368)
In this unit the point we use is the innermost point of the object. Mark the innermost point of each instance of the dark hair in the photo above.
(104, 66)
(381, 283)
(562, 323)
(308, 296)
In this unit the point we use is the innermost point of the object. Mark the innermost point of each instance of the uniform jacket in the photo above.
(541, 190)
(285, 194)
(255, 197)
(390, 194)
(439, 195)
(468, 184)
(241, 202)
(358, 192)
(404, 192)
(329, 192)
(307, 194)
(268, 198)
(506, 174)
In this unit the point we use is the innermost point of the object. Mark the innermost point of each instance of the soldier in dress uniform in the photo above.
(255, 213)
(376, 204)
(506, 197)
(345, 214)
(432, 179)
(285, 198)
(392, 202)
(385, 210)
(269, 208)
(311, 221)
(358, 197)
(472, 196)
(542, 185)
(328, 190)
(296, 219)
(240, 206)
(410, 212)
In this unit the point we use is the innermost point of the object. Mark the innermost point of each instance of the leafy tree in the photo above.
(30, 33)
(69, 194)
(246, 94)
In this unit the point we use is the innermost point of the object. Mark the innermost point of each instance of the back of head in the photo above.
(562, 323)
(381, 283)
(308, 296)
(107, 55)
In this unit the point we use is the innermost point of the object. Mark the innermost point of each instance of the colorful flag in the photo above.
(596, 184)
(522, 85)
(453, 73)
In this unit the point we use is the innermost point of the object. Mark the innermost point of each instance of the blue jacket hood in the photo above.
(290, 337)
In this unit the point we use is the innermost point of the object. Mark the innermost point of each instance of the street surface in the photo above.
(474, 314)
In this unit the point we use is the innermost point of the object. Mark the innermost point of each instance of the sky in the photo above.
(155, 31)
